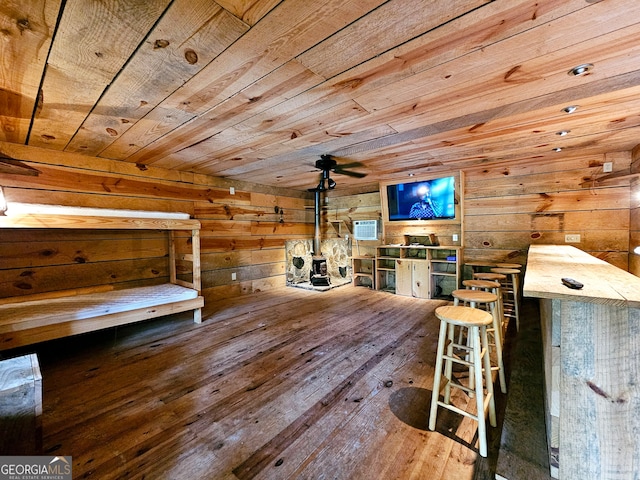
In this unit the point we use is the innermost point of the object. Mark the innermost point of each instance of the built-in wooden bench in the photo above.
(35, 318)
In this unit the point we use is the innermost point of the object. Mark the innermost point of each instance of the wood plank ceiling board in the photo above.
(228, 144)
(504, 110)
(254, 119)
(482, 90)
(187, 37)
(286, 162)
(510, 57)
(289, 29)
(249, 11)
(382, 71)
(283, 83)
(534, 129)
(93, 42)
(398, 85)
(325, 96)
(27, 28)
(393, 23)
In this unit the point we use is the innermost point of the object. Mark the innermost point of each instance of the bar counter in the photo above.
(591, 348)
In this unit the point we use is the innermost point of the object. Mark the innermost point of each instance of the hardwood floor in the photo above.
(277, 385)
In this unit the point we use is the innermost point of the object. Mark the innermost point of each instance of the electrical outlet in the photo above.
(572, 238)
(455, 237)
(607, 167)
(232, 190)
(233, 276)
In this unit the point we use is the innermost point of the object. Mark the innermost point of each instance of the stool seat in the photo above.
(464, 316)
(480, 284)
(478, 263)
(476, 266)
(505, 271)
(511, 291)
(489, 276)
(479, 296)
(508, 265)
(476, 299)
(476, 322)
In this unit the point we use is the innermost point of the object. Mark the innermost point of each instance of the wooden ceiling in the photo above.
(257, 90)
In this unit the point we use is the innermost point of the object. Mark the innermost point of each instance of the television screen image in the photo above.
(424, 200)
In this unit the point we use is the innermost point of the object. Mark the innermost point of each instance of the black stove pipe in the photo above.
(316, 236)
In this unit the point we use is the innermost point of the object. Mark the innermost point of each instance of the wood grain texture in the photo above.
(590, 336)
(256, 91)
(597, 391)
(28, 28)
(261, 389)
(184, 41)
(21, 405)
(603, 283)
(98, 41)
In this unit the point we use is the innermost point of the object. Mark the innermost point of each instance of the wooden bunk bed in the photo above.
(35, 318)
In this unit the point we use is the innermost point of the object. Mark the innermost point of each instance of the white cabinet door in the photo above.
(404, 277)
(412, 278)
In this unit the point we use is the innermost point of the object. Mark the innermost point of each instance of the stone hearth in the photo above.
(299, 259)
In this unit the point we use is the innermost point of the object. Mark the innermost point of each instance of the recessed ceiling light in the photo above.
(557, 149)
(570, 109)
(581, 70)
(563, 133)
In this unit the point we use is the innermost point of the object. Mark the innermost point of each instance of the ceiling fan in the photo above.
(16, 167)
(328, 163)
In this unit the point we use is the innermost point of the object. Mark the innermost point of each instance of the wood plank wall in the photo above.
(342, 207)
(509, 208)
(634, 227)
(506, 210)
(241, 232)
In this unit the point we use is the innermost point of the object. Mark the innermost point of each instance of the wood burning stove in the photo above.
(319, 276)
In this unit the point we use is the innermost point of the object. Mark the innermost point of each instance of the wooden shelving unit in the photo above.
(363, 271)
(421, 271)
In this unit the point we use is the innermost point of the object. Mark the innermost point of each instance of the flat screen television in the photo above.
(432, 199)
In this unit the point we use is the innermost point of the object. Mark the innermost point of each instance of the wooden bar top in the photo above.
(603, 283)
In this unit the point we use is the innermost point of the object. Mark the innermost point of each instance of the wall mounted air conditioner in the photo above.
(365, 229)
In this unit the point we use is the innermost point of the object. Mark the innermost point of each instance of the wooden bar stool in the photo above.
(476, 322)
(511, 300)
(478, 266)
(512, 265)
(476, 299)
(494, 287)
(494, 276)
(500, 278)
(508, 265)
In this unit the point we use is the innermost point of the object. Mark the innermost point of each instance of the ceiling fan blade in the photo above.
(15, 167)
(349, 173)
(328, 163)
(346, 166)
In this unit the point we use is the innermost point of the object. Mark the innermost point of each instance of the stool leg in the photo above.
(516, 299)
(482, 427)
(437, 376)
(497, 341)
(456, 302)
(487, 377)
(472, 376)
(448, 364)
(498, 292)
